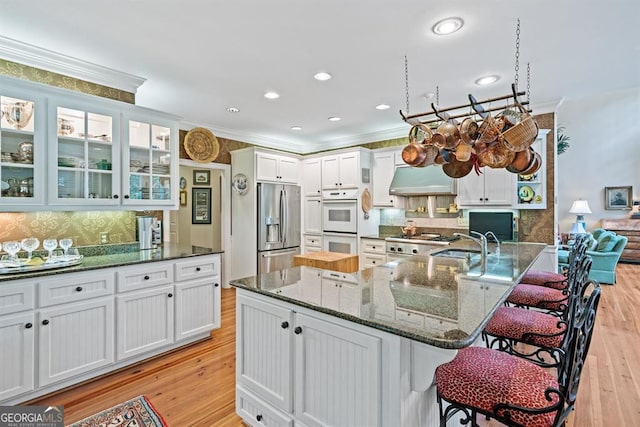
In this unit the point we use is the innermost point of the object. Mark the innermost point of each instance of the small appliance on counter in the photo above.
(145, 231)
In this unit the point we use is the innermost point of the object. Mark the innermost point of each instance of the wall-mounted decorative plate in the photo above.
(183, 183)
(240, 183)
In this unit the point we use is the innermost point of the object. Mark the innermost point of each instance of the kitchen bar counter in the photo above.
(450, 299)
(129, 257)
(320, 347)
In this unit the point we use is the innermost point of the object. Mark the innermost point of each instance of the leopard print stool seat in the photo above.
(545, 278)
(525, 295)
(482, 378)
(527, 326)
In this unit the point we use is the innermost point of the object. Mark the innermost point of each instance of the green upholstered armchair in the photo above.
(605, 250)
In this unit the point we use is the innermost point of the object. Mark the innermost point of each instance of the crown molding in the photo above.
(33, 56)
(259, 140)
(299, 147)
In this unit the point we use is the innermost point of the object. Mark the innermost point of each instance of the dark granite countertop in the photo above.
(119, 256)
(441, 301)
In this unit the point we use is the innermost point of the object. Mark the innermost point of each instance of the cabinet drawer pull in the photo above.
(126, 196)
(216, 284)
(170, 295)
(115, 196)
(29, 325)
(45, 322)
(259, 417)
(146, 277)
(297, 330)
(79, 289)
(197, 268)
(284, 325)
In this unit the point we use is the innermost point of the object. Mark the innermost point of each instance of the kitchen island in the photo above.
(63, 326)
(317, 347)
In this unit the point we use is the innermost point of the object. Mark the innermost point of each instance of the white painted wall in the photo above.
(604, 152)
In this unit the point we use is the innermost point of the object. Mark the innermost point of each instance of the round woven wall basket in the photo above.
(201, 145)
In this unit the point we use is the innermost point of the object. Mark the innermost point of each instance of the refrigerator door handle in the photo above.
(285, 216)
(280, 253)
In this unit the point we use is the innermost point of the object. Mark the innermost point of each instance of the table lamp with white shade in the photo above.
(580, 208)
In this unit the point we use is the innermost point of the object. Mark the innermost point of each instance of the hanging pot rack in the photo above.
(415, 119)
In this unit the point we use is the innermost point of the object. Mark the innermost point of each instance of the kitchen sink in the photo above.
(457, 253)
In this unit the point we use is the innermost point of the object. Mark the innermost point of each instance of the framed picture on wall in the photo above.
(201, 206)
(619, 198)
(201, 177)
(183, 198)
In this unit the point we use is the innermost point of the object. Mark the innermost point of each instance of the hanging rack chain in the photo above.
(438, 96)
(517, 53)
(528, 81)
(406, 80)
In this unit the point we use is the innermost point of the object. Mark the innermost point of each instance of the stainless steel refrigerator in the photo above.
(278, 226)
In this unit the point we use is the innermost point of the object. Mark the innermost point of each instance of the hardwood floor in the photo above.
(195, 386)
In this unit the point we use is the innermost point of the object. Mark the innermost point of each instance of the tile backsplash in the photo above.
(83, 227)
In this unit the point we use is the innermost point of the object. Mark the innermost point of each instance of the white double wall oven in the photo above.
(340, 221)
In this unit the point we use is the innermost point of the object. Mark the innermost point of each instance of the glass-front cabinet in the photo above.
(22, 150)
(84, 160)
(149, 175)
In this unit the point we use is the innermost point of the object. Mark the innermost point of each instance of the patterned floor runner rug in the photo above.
(137, 412)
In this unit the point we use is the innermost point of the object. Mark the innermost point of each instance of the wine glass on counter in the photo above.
(12, 249)
(49, 245)
(30, 244)
(65, 244)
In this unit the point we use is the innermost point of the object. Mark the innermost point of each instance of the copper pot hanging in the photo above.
(415, 153)
(496, 156)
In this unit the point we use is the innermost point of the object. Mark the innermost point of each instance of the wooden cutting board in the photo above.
(344, 263)
(366, 201)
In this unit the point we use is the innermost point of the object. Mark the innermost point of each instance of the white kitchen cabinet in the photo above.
(341, 171)
(56, 331)
(74, 339)
(82, 156)
(312, 215)
(23, 146)
(263, 356)
(84, 162)
(197, 305)
(384, 166)
(145, 321)
(312, 242)
(276, 168)
(330, 374)
(17, 354)
(494, 187)
(312, 177)
(196, 310)
(372, 252)
(149, 160)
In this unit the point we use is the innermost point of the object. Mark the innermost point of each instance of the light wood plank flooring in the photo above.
(195, 386)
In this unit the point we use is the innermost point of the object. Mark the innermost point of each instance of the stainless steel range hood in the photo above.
(430, 180)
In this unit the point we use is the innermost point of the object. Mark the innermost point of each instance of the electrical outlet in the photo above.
(104, 237)
(463, 221)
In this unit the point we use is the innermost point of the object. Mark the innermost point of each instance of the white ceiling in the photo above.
(200, 57)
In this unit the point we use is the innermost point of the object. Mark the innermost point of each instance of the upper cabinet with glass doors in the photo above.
(84, 162)
(22, 148)
(149, 160)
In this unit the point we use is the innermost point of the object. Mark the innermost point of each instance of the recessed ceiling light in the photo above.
(382, 107)
(428, 95)
(334, 119)
(233, 109)
(487, 80)
(447, 26)
(322, 76)
(296, 128)
(272, 95)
